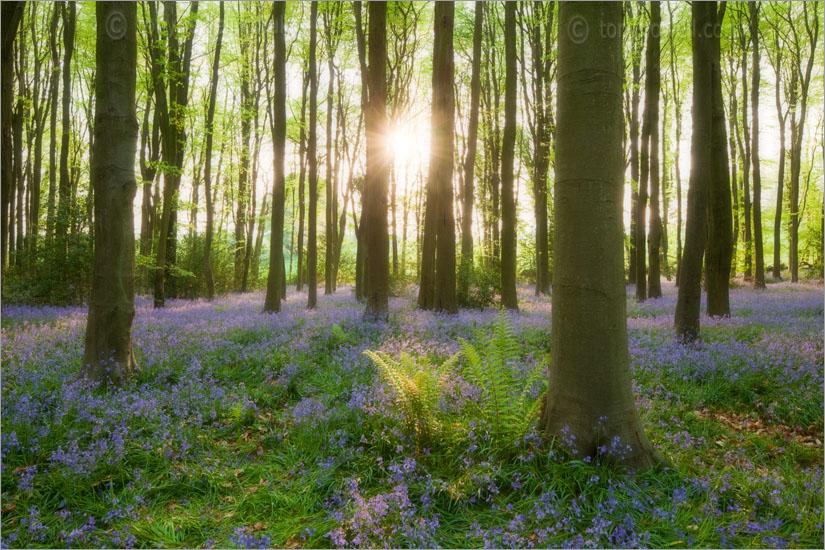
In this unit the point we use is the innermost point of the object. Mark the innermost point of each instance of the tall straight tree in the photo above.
(12, 14)
(470, 160)
(374, 216)
(312, 160)
(759, 262)
(108, 356)
(653, 78)
(809, 23)
(590, 396)
(703, 16)
(207, 170)
(437, 290)
(276, 280)
(64, 187)
(508, 203)
(636, 44)
(719, 247)
(172, 112)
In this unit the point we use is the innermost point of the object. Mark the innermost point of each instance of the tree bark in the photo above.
(703, 16)
(276, 279)
(12, 14)
(759, 271)
(108, 355)
(312, 241)
(590, 396)
(654, 285)
(374, 217)
(64, 187)
(719, 248)
(469, 161)
(207, 169)
(508, 206)
(437, 290)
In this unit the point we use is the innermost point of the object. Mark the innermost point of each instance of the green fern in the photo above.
(417, 389)
(505, 405)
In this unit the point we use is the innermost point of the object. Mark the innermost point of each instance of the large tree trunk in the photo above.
(508, 204)
(312, 241)
(207, 169)
(703, 16)
(759, 264)
(374, 217)
(654, 289)
(108, 356)
(437, 289)
(648, 115)
(590, 396)
(12, 14)
(64, 187)
(469, 162)
(719, 249)
(276, 279)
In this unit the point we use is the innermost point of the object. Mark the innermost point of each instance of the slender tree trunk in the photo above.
(247, 105)
(719, 248)
(508, 205)
(759, 274)
(374, 217)
(64, 187)
(469, 163)
(745, 153)
(653, 77)
(302, 146)
(312, 244)
(108, 355)
(635, 98)
(207, 170)
(780, 178)
(276, 280)
(51, 198)
(703, 15)
(590, 397)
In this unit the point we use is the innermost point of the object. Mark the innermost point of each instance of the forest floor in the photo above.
(251, 430)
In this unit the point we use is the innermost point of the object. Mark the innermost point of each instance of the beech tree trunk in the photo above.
(108, 355)
(374, 216)
(207, 169)
(590, 396)
(654, 285)
(437, 290)
(686, 320)
(466, 267)
(12, 14)
(64, 187)
(759, 263)
(312, 241)
(508, 204)
(719, 248)
(276, 279)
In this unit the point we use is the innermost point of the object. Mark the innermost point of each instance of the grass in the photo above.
(246, 430)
